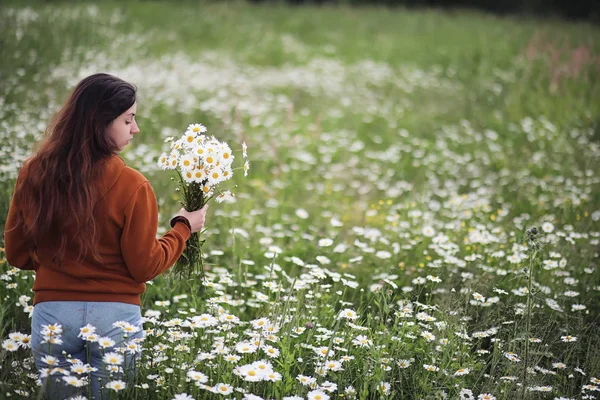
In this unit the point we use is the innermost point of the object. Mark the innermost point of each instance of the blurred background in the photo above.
(577, 9)
(288, 77)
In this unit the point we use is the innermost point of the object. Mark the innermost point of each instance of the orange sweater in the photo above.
(131, 254)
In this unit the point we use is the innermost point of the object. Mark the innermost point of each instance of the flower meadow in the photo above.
(421, 219)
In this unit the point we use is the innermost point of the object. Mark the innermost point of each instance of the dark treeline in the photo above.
(571, 9)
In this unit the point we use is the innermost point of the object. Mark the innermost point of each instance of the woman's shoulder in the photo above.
(119, 178)
(133, 176)
(125, 173)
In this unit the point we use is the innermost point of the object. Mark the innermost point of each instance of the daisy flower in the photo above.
(199, 151)
(55, 329)
(262, 366)
(226, 196)
(196, 128)
(428, 231)
(334, 366)
(74, 381)
(182, 396)
(199, 175)
(189, 139)
(547, 227)
(272, 376)
(323, 351)
(210, 158)
(512, 356)
(245, 347)
(248, 373)
(430, 337)
(86, 330)
(317, 395)
(10, 345)
(362, 341)
(177, 145)
(25, 341)
(173, 161)
(112, 358)
(197, 376)
(116, 385)
(231, 358)
(79, 368)
(186, 162)
(215, 176)
(223, 388)
(271, 351)
(348, 314)
(50, 360)
(306, 380)
(188, 176)
(226, 155)
(384, 387)
(325, 242)
(106, 342)
(204, 320)
(227, 173)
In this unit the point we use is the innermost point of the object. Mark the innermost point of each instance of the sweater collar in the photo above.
(112, 167)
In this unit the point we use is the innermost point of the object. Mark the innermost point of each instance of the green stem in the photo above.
(528, 325)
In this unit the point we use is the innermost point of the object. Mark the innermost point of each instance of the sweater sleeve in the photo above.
(17, 246)
(145, 255)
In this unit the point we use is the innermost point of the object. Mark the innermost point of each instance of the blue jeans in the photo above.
(72, 316)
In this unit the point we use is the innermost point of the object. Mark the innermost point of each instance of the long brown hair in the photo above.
(57, 196)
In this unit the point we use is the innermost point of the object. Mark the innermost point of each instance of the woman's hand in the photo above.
(196, 218)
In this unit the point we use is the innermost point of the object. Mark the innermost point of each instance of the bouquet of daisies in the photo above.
(202, 163)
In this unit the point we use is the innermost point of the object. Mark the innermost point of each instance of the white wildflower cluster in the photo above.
(257, 371)
(202, 160)
(15, 341)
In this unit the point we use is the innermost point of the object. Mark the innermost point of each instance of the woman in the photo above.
(87, 223)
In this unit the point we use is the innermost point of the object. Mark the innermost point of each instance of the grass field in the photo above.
(378, 247)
